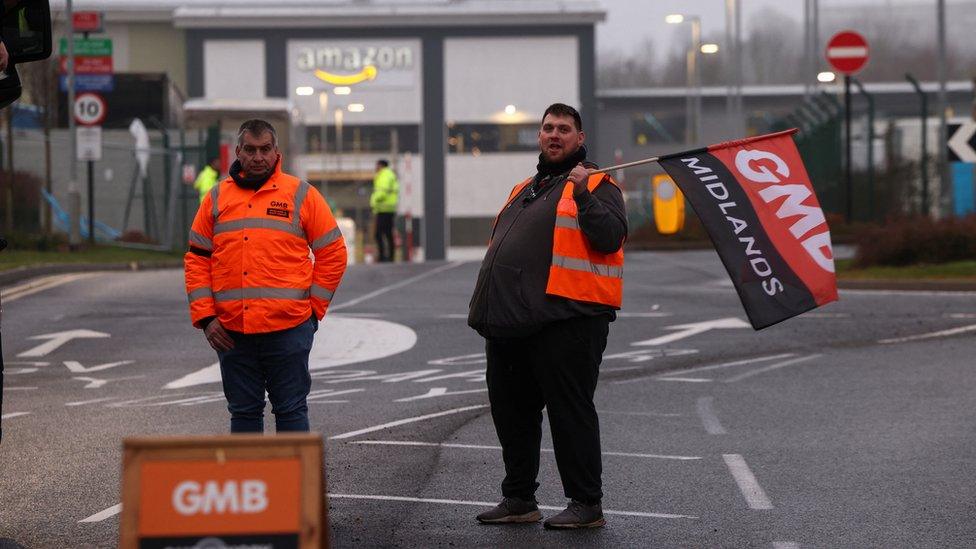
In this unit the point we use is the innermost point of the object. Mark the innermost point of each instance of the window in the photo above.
(489, 138)
(360, 139)
(661, 128)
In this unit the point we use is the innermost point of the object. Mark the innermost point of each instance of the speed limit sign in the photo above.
(89, 109)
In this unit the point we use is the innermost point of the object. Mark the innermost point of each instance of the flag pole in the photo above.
(733, 143)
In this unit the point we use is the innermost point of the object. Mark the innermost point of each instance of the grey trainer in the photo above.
(512, 510)
(577, 515)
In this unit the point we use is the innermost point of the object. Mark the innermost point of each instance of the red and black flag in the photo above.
(755, 199)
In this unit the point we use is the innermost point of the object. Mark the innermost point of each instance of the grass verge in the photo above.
(11, 259)
(955, 270)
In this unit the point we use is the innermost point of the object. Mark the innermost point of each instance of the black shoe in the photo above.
(577, 515)
(512, 510)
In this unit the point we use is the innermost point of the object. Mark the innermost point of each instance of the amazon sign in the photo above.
(383, 75)
(356, 58)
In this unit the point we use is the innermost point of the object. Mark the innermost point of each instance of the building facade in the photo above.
(451, 92)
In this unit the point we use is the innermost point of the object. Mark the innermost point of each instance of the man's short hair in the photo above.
(561, 109)
(383, 162)
(257, 128)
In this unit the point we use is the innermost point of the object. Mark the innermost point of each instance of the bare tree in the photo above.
(773, 50)
(40, 81)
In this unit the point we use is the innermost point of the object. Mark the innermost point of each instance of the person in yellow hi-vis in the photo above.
(208, 177)
(383, 201)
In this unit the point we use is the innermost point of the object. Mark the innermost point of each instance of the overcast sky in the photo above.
(630, 21)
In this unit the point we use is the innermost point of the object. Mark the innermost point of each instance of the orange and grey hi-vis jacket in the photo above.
(249, 263)
(578, 271)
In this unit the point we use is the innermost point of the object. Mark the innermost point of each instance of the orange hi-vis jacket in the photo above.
(578, 272)
(258, 276)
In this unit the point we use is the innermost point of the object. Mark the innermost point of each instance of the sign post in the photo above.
(89, 112)
(230, 490)
(847, 52)
(961, 153)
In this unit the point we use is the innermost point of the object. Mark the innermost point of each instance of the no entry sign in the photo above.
(847, 52)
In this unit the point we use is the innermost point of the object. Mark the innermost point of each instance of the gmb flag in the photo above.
(755, 199)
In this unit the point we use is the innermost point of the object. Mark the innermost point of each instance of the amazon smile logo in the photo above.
(368, 73)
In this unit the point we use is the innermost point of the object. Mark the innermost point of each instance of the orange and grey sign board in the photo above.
(224, 491)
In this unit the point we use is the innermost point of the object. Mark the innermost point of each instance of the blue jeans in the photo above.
(276, 362)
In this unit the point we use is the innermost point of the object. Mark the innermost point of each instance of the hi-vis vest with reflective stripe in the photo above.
(258, 277)
(578, 272)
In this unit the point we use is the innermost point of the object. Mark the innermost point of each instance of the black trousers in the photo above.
(556, 368)
(384, 236)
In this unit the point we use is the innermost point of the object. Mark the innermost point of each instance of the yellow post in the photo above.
(669, 205)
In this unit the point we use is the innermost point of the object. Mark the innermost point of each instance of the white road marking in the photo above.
(643, 315)
(685, 379)
(733, 363)
(622, 369)
(470, 375)
(439, 391)
(104, 514)
(406, 421)
(474, 358)
(319, 394)
(708, 417)
(643, 355)
(648, 456)
(786, 545)
(480, 447)
(20, 388)
(92, 401)
(57, 339)
(694, 328)
(649, 414)
(943, 333)
(76, 368)
(14, 414)
(960, 315)
(772, 367)
(39, 285)
(754, 494)
(95, 383)
(418, 443)
(341, 340)
(489, 505)
(684, 372)
(398, 285)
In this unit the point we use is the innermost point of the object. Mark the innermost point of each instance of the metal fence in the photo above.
(139, 194)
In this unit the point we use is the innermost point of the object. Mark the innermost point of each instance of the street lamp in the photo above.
(709, 49)
(338, 127)
(693, 77)
(323, 118)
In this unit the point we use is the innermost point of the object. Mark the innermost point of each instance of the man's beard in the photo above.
(563, 154)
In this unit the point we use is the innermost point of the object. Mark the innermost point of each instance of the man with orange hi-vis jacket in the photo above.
(252, 287)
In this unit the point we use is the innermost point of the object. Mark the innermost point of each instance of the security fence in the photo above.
(141, 193)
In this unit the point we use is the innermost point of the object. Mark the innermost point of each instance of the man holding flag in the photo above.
(548, 288)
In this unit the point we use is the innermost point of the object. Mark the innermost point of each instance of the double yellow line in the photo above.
(39, 285)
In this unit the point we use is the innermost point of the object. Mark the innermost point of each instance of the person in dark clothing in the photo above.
(548, 288)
